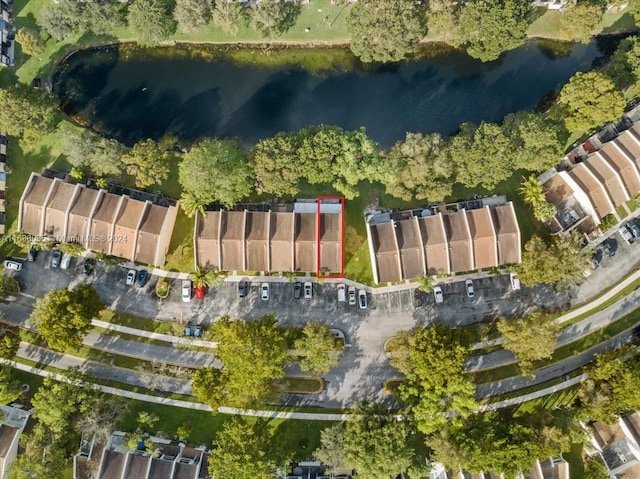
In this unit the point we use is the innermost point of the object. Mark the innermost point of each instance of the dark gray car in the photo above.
(55, 258)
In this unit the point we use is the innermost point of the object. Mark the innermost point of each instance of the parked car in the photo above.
(626, 234)
(362, 299)
(297, 290)
(199, 294)
(264, 291)
(186, 291)
(32, 255)
(308, 290)
(88, 266)
(66, 261)
(14, 265)
(197, 331)
(142, 278)
(56, 256)
(596, 257)
(342, 293)
(634, 228)
(242, 289)
(468, 286)
(352, 295)
(515, 281)
(609, 245)
(187, 331)
(437, 294)
(131, 277)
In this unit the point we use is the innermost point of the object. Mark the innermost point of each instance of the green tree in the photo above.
(103, 17)
(241, 446)
(491, 27)
(594, 468)
(418, 167)
(531, 190)
(316, 349)
(9, 286)
(147, 162)
(481, 155)
(271, 19)
(9, 386)
(443, 24)
(147, 421)
(9, 341)
(192, 205)
(562, 262)
(151, 20)
(276, 165)
(202, 278)
(30, 41)
(229, 16)
(544, 211)
(72, 249)
(435, 382)
(26, 111)
(612, 387)
(331, 451)
(207, 386)
(62, 20)
(379, 446)
(102, 418)
(38, 462)
(591, 99)
(216, 171)
(578, 20)
(86, 150)
(386, 30)
(535, 139)
(624, 65)
(192, 15)
(530, 339)
(64, 316)
(253, 355)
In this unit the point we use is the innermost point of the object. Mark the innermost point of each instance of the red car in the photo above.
(200, 293)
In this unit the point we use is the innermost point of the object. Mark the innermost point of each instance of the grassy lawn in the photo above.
(548, 24)
(123, 319)
(302, 385)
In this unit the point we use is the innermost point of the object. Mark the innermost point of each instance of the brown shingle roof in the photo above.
(257, 240)
(436, 248)
(232, 236)
(101, 224)
(59, 200)
(608, 177)
(557, 190)
(305, 241)
(33, 205)
(593, 189)
(330, 244)
(625, 167)
(460, 252)
(7, 437)
(411, 248)
(508, 233)
(282, 229)
(208, 240)
(127, 223)
(149, 235)
(137, 467)
(79, 214)
(160, 469)
(629, 142)
(485, 250)
(383, 237)
(112, 465)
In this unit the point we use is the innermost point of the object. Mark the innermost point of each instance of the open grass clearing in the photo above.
(302, 385)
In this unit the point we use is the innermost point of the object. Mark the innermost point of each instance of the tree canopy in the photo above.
(272, 19)
(9, 286)
(417, 167)
(253, 355)
(147, 162)
(88, 151)
(316, 349)
(9, 341)
(64, 316)
(216, 171)
(30, 41)
(63, 20)
(591, 99)
(624, 65)
(27, 111)
(241, 446)
(579, 20)
(491, 27)
(612, 387)
(386, 30)
(191, 15)
(530, 339)
(9, 386)
(151, 20)
(229, 16)
(435, 381)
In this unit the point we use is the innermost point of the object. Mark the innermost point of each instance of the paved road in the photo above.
(103, 371)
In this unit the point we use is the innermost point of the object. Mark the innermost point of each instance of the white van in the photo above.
(515, 281)
(66, 260)
(342, 293)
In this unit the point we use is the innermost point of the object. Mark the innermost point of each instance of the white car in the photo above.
(342, 293)
(66, 261)
(131, 277)
(362, 299)
(352, 296)
(468, 286)
(14, 265)
(264, 291)
(308, 290)
(515, 281)
(437, 293)
(186, 290)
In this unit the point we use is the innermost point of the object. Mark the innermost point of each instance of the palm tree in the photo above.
(531, 191)
(203, 278)
(191, 205)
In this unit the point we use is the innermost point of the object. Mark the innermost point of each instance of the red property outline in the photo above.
(318, 272)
